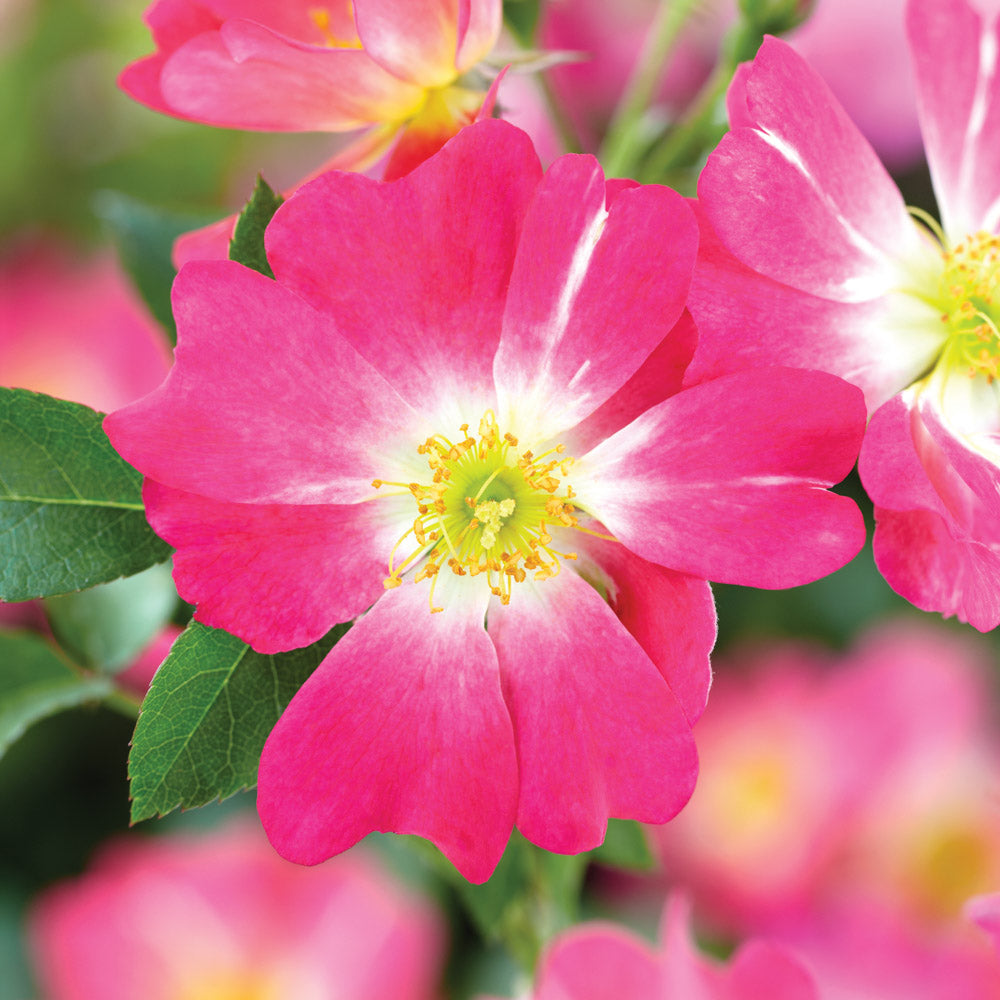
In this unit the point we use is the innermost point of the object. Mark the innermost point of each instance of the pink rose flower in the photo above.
(458, 406)
(389, 66)
(603, 962)
(221, 916)
(815, 261)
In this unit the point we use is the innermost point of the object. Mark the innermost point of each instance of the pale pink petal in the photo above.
(726, 480)
(241, 418)
(422, 265)
(598, 732)
(955, 54)
(593, 293)
(246, 76)
(479, 23)
(402, 728)
(670, 615)
(599, 962)
(660, 377)
(276, 575)
(802, 197)
(737, 108)
(415, 40)
(747, 320)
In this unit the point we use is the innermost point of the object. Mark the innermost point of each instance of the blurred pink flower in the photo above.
(390, 66)
(865, 784)
(220, 916)
(73, 328)
(815, 261)
(441, 346)
(604, 962)
(860, 952)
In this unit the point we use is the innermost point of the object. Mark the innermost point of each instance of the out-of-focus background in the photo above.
(848, 801)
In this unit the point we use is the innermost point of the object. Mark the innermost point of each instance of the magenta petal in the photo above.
(422, 265)
(747, 320)
(598, 732)
(670, 615)
(593, 292)
(936, 541)
(660, 376)
(276, 575)
(258, 403)
(725, 481)
(805, 178)
(599, 962)
(954, 51)
(402, 728)
(922, 560)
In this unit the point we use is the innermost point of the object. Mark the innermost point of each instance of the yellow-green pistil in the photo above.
(486, 510)
(970, 297)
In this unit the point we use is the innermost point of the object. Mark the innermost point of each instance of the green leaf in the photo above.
(145, 238)
(247, 244)
(625, 846)
(106, 627)
(36, 683)
(71, 512)
(207, 714)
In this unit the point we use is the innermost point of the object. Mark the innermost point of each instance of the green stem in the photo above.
(618, 152)
(123, 703)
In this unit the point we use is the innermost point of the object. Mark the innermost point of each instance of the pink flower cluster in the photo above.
(466, 415)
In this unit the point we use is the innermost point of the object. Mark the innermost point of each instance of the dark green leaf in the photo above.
(35, 683)
(106, 627)
(207, 714)
(145, 239)
(521, 16)
(625, 846)
(247, 244)
(71, 512)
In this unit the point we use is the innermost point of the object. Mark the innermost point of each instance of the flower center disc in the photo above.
(971, 293)
(487, 509)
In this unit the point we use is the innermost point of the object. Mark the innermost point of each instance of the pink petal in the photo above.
(422, 265)
(598, 732)
(955, 54)
(764, 970)
(725, 481)
(260, 399)
(670, 615)
(415, 40)
(593, 293)
(247, 76)
(599, 962)
(276, 575)
(660, 377)
(479, 23)
(747, 320)
(936, 538)
(402, 728)
(802, 197)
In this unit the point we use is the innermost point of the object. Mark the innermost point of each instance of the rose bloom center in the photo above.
(486, 509)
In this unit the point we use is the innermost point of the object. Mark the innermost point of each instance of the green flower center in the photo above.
(486, 510)
(970, 295)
